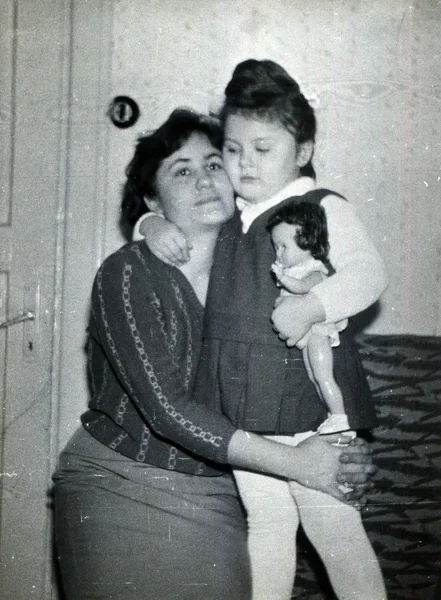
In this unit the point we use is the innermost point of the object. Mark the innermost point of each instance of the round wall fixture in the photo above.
(123, 112)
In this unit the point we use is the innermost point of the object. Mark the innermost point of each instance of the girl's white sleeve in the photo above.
(360, 276)
(136, 234)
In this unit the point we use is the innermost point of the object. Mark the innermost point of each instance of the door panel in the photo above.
(33, 129)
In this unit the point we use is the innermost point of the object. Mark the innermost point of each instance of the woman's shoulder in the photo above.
(132, 258)
(132, 253)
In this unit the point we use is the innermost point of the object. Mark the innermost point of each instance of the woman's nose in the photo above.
(204, 180)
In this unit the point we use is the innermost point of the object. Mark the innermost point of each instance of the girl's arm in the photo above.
(164, 239)
(360, 276)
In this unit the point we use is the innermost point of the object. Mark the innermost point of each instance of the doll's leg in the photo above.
(272, 528)
(337, 533)
(320, 360)
(310, 373)
(319, 352)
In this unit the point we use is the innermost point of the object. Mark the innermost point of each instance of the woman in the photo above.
(145, 506)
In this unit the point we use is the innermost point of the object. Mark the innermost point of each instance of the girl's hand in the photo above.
(166, 241)
(294, 316)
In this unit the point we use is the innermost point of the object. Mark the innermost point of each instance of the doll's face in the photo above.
(288, 253)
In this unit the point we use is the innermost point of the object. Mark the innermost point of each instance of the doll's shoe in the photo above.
(335, 424)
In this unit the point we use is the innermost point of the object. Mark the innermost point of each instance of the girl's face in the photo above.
(288, 253)
(261, 157)
(192, 188)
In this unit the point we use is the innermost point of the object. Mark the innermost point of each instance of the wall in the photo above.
(373, 70)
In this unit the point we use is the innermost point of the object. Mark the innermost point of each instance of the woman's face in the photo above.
(261, 157)
(192, 187)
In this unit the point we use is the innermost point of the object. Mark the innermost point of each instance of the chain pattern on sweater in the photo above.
(186, 424)
(146, 435)
(172, 458)
(122, 409)
(102, 390)
(189, 361)
(109, 336)
(116, 442)
(169, 340)
(138, 253)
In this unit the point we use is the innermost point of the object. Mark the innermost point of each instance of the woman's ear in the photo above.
(305, 152)
(153, 205)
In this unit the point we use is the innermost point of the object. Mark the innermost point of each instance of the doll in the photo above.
(299, 235)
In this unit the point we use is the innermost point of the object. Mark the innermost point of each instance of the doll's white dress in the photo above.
(300, 271)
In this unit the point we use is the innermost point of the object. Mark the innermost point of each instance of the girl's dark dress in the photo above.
(259, 383)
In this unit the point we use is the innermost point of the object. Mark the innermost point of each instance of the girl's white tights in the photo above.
(275, 508)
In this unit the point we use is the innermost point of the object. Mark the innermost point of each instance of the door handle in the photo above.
(27, 316)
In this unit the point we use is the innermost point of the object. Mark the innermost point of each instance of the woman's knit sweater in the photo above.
(144, 343)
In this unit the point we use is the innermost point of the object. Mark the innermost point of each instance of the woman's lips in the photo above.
(209, 200)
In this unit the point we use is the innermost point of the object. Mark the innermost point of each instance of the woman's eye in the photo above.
(262, 149)
(215, 166)
(182, 172)
(231, 150)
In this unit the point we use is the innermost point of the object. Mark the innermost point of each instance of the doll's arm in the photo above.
(294, 316)
(300, 286)
(164, 239)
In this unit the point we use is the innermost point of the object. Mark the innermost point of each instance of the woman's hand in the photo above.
(328, 471)
(315, 463)
(294, 316)
(165, 240)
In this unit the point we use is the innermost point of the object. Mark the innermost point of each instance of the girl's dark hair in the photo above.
(311, 228)
(151, 150)
(263, 89)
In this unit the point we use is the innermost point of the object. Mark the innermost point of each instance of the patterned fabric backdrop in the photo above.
(403, 516)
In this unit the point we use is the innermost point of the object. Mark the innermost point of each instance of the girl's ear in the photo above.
(153, 205)
(305, 152)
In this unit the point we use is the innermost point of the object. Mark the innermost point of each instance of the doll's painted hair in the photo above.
(152, 149)
(309, 220)
(264, 90)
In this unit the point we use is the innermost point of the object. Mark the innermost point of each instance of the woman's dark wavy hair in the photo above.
(311, 228)
(263, 89)
(151, 150)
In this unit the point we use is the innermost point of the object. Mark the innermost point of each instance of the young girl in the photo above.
(260, 383)
(300, 238)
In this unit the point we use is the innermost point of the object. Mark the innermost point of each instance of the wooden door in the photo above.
(34, 64)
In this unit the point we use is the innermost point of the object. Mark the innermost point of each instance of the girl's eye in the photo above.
(262, 146)
(231, 150)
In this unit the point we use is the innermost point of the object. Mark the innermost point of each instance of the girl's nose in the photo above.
(246, 160)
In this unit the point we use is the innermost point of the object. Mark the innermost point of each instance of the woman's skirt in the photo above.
(129, 531)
